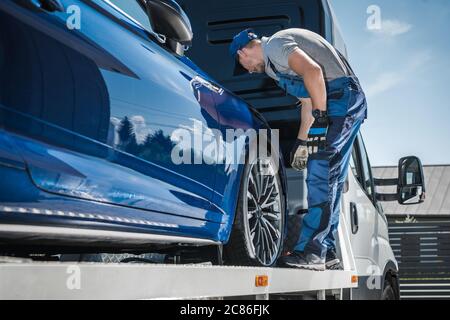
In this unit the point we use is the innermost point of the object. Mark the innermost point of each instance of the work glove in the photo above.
(299, 155)
(317, 137)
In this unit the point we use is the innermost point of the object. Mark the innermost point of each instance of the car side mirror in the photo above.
(168, 19)
(410, 183)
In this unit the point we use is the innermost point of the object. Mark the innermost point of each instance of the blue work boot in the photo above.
(301, 260)
(332, 262)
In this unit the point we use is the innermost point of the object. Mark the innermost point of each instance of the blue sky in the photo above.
(405, 70)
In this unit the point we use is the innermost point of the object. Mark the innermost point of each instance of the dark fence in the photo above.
(422, 248)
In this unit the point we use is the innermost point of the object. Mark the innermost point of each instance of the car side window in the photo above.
(354, 162)
(367, 180)
(133, 10)
(360, 166)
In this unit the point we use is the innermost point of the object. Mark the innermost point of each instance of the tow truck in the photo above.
(363, 238)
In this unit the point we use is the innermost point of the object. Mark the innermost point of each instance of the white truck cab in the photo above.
(214, 24)
(375, 262)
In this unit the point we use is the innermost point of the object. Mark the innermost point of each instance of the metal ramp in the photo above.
(143, 281)
(24, 279)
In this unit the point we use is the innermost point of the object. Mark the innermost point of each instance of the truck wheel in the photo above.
(388, 292)
(257, 235)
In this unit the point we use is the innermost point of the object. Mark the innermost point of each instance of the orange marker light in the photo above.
(261, 281)
(354, 279)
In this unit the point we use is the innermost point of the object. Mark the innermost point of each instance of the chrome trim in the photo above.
(77, 235)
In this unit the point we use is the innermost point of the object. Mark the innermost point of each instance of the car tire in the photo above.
(255, 220)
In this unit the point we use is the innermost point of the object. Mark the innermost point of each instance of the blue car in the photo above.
(96, 101)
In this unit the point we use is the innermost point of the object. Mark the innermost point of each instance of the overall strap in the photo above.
(272, 66)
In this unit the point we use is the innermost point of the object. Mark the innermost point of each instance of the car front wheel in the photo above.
(257, 235)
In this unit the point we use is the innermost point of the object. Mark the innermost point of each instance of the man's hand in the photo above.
(299, 155)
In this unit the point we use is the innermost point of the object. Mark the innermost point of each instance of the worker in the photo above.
(333, 107)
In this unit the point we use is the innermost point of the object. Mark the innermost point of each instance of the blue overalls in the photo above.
(328, 169)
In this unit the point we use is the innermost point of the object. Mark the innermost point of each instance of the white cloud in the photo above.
(384, 82)
(140, 128)
(391, 79)
(392, 28)
(419, 59)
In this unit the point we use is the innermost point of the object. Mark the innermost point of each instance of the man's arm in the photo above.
(312, 75)
(314, 81)
(307, 119)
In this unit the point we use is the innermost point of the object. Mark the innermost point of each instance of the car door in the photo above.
(360, 210)
(107, 109)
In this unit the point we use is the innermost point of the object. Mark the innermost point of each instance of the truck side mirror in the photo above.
(410, 183)
(168, 19)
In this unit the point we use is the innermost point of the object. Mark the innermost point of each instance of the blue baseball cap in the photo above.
(240, 41)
